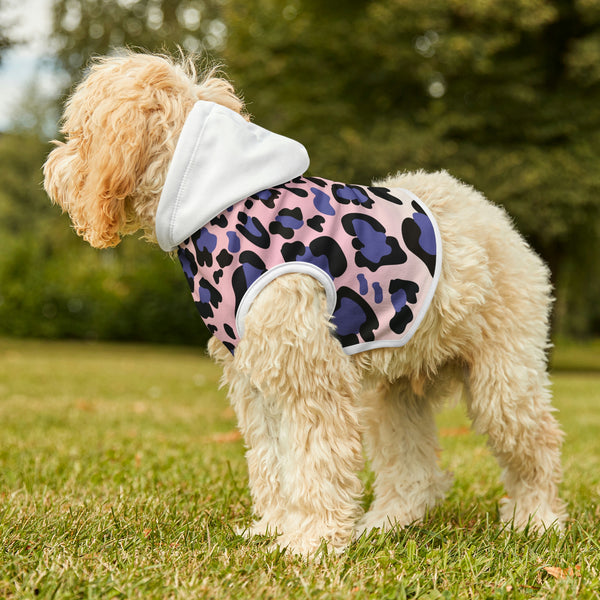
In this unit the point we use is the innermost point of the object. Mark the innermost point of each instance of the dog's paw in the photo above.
(536, 516)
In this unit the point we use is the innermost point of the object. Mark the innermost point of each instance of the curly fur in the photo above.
(303, 405)
(109, 172)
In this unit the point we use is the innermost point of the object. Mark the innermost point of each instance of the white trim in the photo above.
(283, 269)
(364, 346)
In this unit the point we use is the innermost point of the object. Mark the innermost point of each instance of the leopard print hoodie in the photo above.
(240, 213)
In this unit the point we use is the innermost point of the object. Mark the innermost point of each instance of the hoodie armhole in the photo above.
(284, 269)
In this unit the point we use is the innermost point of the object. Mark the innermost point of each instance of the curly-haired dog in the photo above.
(339, 312)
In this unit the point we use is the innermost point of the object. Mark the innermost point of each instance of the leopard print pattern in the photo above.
(376, 250)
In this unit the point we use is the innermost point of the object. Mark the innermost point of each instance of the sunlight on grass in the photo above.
(122, 476)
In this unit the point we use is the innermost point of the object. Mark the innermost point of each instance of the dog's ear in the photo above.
(121, 125)
(94, 173)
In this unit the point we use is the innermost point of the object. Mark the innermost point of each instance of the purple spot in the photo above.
(252, 228)
(399, 300)
(206, 240)
(321, 202)
(374, 242)
(204, 295)
(350, 194)
(320, 261)
(187, 265)
(427, 237)
(288, 221)
(378, 293)
(234, 242)
(348, 312)
(363, 284)
(251, 273)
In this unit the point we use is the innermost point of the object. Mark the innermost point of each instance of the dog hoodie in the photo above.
(240, 213)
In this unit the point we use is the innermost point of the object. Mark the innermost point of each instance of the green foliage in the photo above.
(51, 283)
(84, 28)
(576, 356)
(54, 285)
(133, 292)
(504, 95)
(119, 479)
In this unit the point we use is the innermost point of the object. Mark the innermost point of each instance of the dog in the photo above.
(312, 374)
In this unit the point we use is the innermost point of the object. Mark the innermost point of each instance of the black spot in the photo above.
(286, 222)
(317, 181)
(253, 230)
(251, 268)
(250, 258)
(229, 331)
(411, 233)
(353, 316)
(401, 320)
(316, 223)
(300, 192)
(224, 259)
(267, 197)
(217, 275)
(209, 297)
(355, 194)
(219, 221)
(292, 251)
(402, 292)
(204, 243)
(410, 289)
(188, 263)
(382, 192)
(294, 213)
(418, 207)
(329, 248)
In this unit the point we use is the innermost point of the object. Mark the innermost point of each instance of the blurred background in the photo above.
(504, 94)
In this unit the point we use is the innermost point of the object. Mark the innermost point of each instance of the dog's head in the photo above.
(121, 125)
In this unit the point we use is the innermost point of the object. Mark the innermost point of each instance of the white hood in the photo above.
(219, 160)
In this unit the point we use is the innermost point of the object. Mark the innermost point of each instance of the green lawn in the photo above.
(121, 476)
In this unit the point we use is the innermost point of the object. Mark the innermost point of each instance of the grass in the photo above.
(121, 476)
(577, 356)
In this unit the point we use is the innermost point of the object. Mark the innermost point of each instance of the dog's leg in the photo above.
(259, 422)
(401, 442)
(303, 433)
(509, 401)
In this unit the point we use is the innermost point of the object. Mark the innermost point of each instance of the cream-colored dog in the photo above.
(307, 392)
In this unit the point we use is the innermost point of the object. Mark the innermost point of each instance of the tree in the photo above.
(505, 95)
(53, 284)
(6, 39)
(84, 28)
